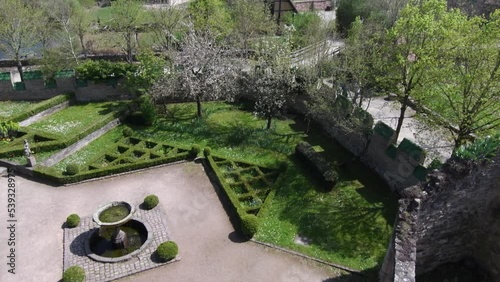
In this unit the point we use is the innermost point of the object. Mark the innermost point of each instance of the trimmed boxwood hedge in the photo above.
(74, 274)
(150, 201)
(167, 251)
(40, 107)
(318, 165)
(249, 225)
(72, 220)
(55, 175)
(235, 208)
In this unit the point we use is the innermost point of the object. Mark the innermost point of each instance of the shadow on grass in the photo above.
(340, 221)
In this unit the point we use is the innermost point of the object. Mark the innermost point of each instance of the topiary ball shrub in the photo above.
(150, 202)
(207, 151)
(72, 220)
(249, 225)
(195, 150)
(127, 132)
(167, 251)
(72, 169)
(74, 274)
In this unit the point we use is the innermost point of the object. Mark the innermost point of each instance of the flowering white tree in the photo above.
(203, 70)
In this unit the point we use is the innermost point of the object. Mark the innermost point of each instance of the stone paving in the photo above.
(74, 248)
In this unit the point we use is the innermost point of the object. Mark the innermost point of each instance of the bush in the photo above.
(249, 225)
(136, 118)
(151, 201)
(72, 220)
(72, 169)
(74, 274)
(101, 70)
(195, 150)
(127, 131)
(148, 109)
(435, 164)
(207, 151)
(481, 149)
(167, 251)
(318, 165)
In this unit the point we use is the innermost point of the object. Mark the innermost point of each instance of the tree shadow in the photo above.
(77, 246)
(369, 275)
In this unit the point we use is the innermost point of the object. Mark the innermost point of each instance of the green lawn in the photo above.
(39, 156)
(13, 108)
(351, 225)
(77, 118)
(96, 148)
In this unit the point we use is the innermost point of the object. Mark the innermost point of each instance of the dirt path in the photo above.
(209, 248)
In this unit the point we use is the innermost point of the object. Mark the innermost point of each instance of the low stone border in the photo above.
(307, 257)
(47, 112)
(74, 248)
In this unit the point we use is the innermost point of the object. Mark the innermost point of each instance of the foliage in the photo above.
(19, 26)
(249, 225)
(435, 164)
(127, 16)
(306, 28)
(8, 129)
(147, 72)
(53, 61)
(73, 220)
(101, 70)
(195, 150)
(148, 109)
(151, 201)
(169, 26)
(273, 81)
(207, 151)
(167, 251)
(482, 149)
(347, 11)
(252, 20)
(211, 15)
(127, 131)
(202, 71)
(318, 164)
(466, 77)
(72, 169)
(74, 274)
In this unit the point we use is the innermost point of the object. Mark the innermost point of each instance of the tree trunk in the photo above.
(404, 105)
(20, 68)
(129, 46)
(269, 118)
(84, 49)
(198, 106)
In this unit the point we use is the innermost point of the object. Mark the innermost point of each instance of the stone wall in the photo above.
(35, 89)
(455, 216)
(460, 218)
(399, 165)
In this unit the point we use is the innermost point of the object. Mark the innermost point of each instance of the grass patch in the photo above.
(77, 118)
(39, 157)
(96, 148)
(9, 109)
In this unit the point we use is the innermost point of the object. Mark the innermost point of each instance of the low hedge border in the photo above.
(54, 175)
(235, 205)
(317, 164)
(40, 107)
(17, 146)
(94, 170)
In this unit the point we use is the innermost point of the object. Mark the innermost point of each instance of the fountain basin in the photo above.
(113, 214)
(101, 249)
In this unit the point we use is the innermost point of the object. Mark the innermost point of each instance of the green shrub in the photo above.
(167, 251)
(207, 151)
(435, 164)
(74, 274)
(195, 150)
(151, 201)
(148, 109)
(318, 164)
(481, 149)
(127, 131)
(249, 225)
(72, 169)
(101, 70)
(72, 220)
(136, 118)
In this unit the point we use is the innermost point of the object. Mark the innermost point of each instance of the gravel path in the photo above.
(209, 248)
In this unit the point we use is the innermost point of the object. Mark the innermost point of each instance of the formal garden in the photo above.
(349, 224)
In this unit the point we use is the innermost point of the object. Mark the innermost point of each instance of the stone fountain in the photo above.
(119, 237)
(110, 217)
